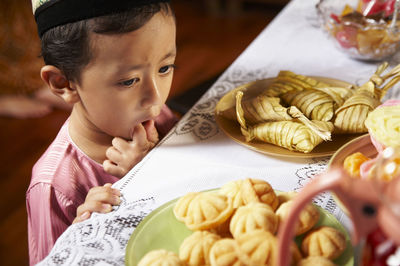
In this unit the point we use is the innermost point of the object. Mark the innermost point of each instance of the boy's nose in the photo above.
(151, 93)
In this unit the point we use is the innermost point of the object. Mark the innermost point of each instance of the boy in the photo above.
(113, 61)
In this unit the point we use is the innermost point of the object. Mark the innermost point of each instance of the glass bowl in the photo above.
(363, 29)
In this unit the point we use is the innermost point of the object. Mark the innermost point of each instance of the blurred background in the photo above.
(210, 35)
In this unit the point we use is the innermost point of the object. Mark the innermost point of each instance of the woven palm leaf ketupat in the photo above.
(264, 109)
(316, 99)
(289, 81)
(316, 105)
(259, 109)
(299, 112)
(351, 116)
(338, 94)
(307, 80)
(299, 135)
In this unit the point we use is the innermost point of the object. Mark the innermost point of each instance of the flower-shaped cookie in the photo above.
(203, 211)
(249, 190)
(324, 241)
(253, 216)
(195, 249)
(160, 257)
(225, 253)
(309, 216)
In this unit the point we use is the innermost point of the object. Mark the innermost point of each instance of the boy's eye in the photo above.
(129, 82)
(166, 69)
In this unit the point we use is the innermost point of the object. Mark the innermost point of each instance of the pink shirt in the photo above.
(60, 182)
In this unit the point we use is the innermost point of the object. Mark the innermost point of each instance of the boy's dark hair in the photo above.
(68, 46)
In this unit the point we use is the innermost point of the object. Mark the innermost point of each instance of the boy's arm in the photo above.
(46, 219)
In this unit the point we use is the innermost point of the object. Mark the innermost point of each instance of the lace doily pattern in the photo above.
(306, 173)
(200, 121)
(100, 241)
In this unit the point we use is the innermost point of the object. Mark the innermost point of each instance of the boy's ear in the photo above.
(59, 84)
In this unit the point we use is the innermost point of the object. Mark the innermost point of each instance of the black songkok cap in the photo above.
(52, 13)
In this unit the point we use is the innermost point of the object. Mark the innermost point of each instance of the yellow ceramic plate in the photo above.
(232, 129)
(161, 230)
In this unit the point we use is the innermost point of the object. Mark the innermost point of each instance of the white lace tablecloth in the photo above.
(196, 155)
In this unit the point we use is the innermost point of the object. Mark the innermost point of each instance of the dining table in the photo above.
(198, 155)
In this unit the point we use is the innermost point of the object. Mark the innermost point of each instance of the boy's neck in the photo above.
(88, 138)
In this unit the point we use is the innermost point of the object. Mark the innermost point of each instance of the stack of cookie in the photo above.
(237, 225)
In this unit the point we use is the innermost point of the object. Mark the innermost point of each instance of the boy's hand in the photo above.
(98, 199)
(123, 154)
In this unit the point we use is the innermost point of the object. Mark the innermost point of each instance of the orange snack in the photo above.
(353, 162)
(347, 10)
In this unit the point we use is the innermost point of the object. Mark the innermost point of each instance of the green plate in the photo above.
(161, 230)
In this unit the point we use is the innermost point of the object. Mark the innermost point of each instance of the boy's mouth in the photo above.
(143, 124)
(152, 114)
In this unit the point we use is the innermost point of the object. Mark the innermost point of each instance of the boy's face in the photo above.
(129, 78)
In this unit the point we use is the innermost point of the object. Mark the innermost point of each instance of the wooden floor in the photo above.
(207, 44)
